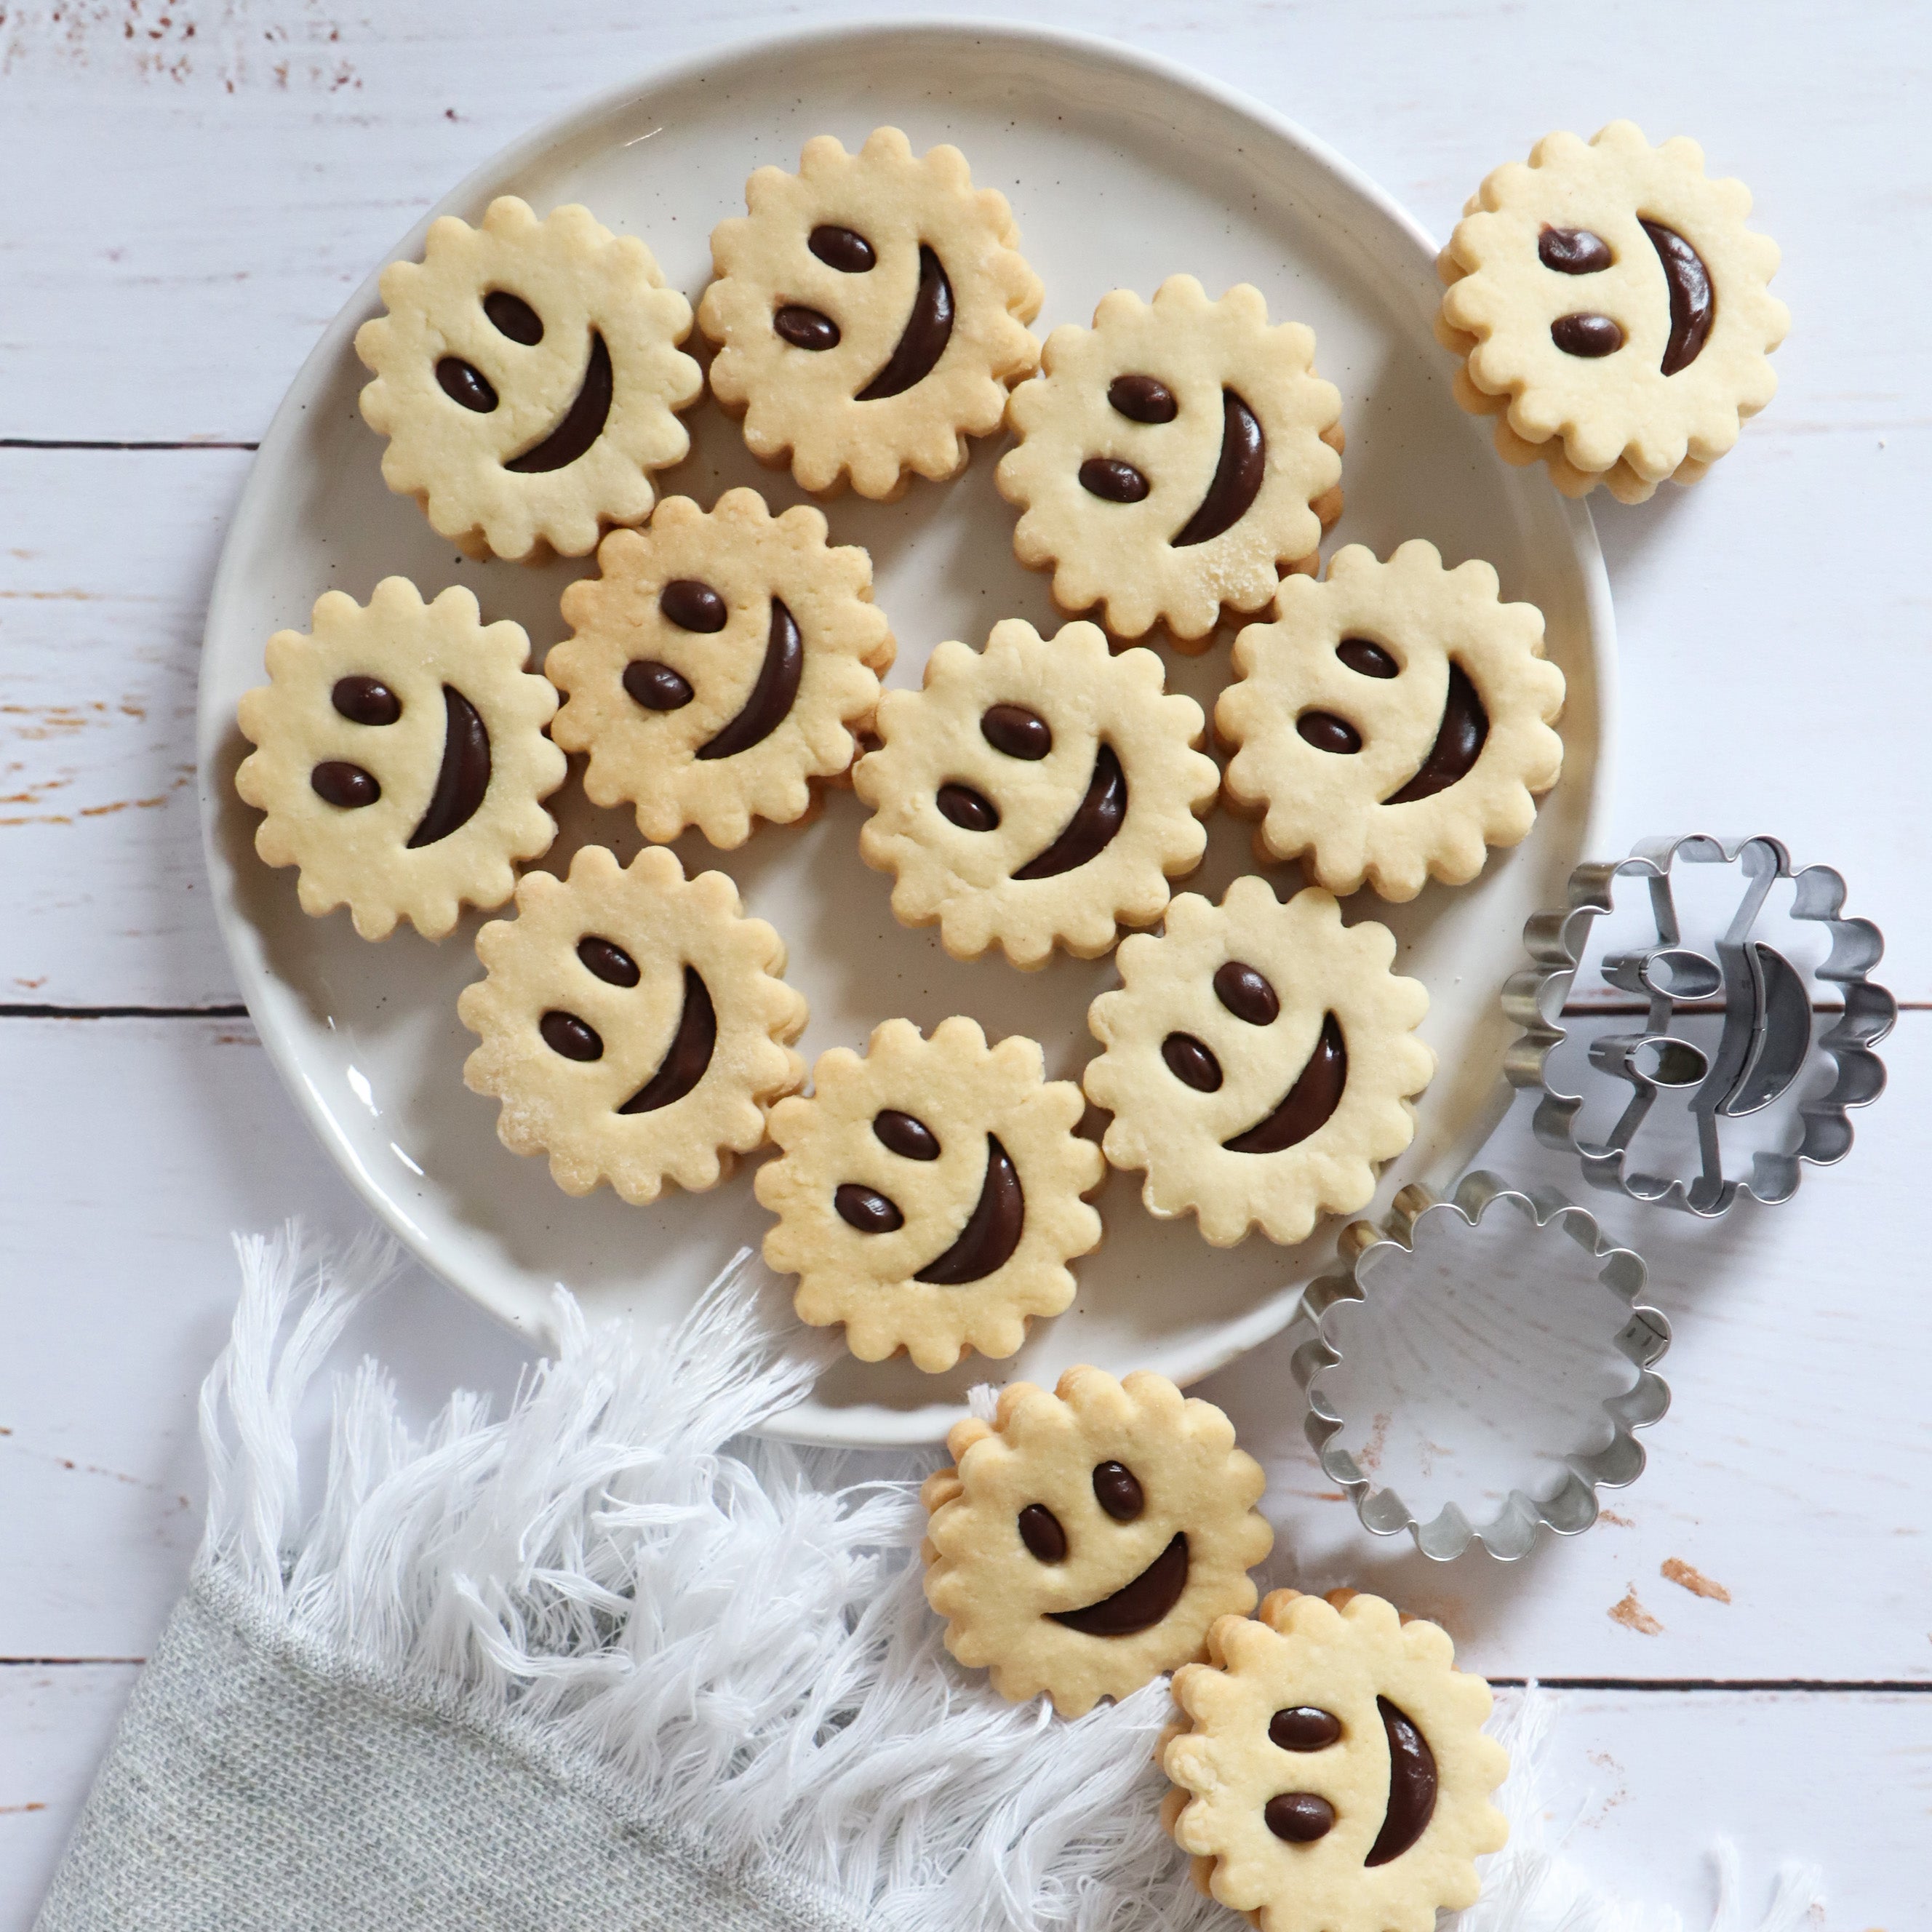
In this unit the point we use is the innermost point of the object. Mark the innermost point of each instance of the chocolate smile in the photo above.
(1412, 1785)
(992, 1230)
(689, 1055)
(1137, 1606)
(772, 696)
(1237, 476)
(464, 776)
(922, 341)
(1091, 829)
(583, 423)
(1693, 306)
(1306, 1108)
(1459, 740)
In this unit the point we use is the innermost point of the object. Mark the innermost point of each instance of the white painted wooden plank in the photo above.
(56, 1722)
(1797, 1454)
(1654, 1780)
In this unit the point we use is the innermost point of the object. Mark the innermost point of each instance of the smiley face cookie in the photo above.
(526, 376)
(1335, 1778)
(1175, 458)
(633, 1025)
(400, 756)
(1392, 722)
(721, 663)
(1613, 310)
(870, 313)
(929, 1194)
(1043, 792)
(1260, 1059)
(1087, 1539)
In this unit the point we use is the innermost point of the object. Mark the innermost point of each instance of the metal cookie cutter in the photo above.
(1642, 1338)
(1768, 1028)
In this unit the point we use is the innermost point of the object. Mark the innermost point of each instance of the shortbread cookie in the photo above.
(1392, 721)
(526, 376)
(1335, 1778)
(1609, 299)
(1087, 1539)
(1040, 792)
(929, 1195)
(400, 756)
(633, 1023)
(870, 314)
(720, 664)
(1260, 1059)
(1175, 458)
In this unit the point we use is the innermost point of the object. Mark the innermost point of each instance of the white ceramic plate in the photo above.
(1121, 170)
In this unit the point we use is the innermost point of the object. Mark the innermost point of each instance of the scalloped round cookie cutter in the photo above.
(1769, 1026)
(1642, 1340)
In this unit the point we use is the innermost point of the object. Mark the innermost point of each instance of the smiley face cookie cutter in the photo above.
(1642, 1340)
(1769, 1034)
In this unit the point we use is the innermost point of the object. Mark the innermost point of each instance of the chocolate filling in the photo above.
(1143, 399)
(1299, 1817)
(608, 960)
(1328, 732)
(1019, 733)
(806, 328)
(575, 1039)
(583, 423)
(923, 339)
(992, 1230)
(771, 697)
(656, 686)
(845, 249)
(865, 1209)
(1367, 659)
(1459, 740)
(1307, 1727)
(1041, 1532)
(1191, 1062)
(1118, 1490)
(970, 810)
(906, 1135)
(1112, 480)
(463, 382)
(464, 775)
(512, 315)
(1693, 306)
(1091, 829)
(1586, 334)
(692, 1046)
(336, 781)
(1237, 476)
(693, 605)
(1245, 991)
(1306, 1108)
(1411, 1799)
(1573, 251)
(1137, 1606)
(365, 700)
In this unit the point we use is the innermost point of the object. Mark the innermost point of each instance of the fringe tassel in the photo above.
(735, 1638)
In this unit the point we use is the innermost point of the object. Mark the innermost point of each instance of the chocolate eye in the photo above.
(365, 700)
(906, 1135)
(1587, 335)
(865, 1209)
(806, 328)
(656, 686)
(967, 808)
(843, 249)
(1328, 732)
(513, 317)
(1019, 733)
(1299, 1816)
(463, 382)
(575, 1039)
(1191, 1062)
(1143, 399)
(1305, 1728)
(1246, 993)
(608, 960)
(1118, 1492)
(1366, 659)
(1573, 251)
(1041, 1532)
(1112, 480)
(692, 605)
(336, 781)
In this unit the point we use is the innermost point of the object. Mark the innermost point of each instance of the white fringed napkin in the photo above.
(607, 1663)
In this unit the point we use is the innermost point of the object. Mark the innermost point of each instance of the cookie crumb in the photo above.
(1675, 1569)
(1634, 1616)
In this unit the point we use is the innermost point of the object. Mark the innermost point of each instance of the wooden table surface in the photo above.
(194, 189)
